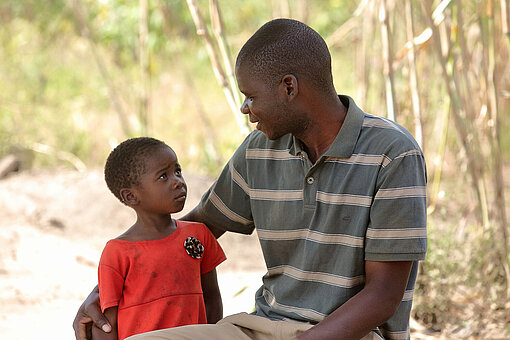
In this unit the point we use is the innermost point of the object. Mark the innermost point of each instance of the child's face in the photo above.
(162, 188)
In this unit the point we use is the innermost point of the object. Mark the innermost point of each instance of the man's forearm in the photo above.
(354, 319)
(195, 216)
(372, 306)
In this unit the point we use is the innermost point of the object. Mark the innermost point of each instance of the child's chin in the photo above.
(176, 208)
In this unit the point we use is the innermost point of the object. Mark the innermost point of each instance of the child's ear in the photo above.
(128, 197)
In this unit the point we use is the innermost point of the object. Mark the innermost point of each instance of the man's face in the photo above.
(264, 105)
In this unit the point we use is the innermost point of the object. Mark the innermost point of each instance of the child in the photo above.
(160, 273)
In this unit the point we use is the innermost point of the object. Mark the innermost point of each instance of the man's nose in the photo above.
(244, 108)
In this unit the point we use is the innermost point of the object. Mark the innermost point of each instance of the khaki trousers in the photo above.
(240, 326)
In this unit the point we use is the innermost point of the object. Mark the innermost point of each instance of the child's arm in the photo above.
(212, 297)
(99, 334)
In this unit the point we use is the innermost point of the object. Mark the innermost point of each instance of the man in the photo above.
(337, 197)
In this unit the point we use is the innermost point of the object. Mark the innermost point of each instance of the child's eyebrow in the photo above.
(163, 169)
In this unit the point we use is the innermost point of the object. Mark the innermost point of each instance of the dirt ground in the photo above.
(53, 226)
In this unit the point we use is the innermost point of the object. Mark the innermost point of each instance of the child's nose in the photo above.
(179, 182)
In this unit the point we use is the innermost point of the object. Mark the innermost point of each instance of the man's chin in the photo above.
(271, 135)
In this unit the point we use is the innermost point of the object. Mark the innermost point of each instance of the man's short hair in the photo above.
(286, 46)
(126, 163)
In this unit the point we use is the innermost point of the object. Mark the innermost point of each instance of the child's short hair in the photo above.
(126, 163)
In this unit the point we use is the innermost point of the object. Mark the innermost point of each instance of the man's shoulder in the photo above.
(385, 136)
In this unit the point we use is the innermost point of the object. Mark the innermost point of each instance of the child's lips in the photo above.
(181, 197)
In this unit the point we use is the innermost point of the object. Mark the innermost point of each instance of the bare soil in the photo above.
(53, 226)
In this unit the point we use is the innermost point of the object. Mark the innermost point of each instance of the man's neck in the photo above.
(323, 130)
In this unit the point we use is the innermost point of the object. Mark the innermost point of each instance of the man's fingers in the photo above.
(88, 313)
(99, 319)
(80, 326)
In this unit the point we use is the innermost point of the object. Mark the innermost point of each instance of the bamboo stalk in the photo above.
(505, 17)
(144, 106)
(413, 77)
(221, 40)
(302, 11)
(495, 142)
(63, 155)
(466, 62)
(496, 70)
(363, 58)
(464, 136)
(218, 70)
(281, 9)
(81, 17)
(211, 140)
(210, 136)
(439, 161)
(338, 36)
(419, 41)
(387, 60)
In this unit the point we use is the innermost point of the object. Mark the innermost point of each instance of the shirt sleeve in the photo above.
(227, 203)
(213, 253)
(398, 215)
(110, 280)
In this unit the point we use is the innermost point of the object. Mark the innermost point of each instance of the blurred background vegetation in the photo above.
(79, 76)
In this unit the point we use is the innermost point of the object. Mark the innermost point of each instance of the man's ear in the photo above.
(128, 197)
(289, 86)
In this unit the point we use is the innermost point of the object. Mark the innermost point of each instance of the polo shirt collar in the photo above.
(347, 137)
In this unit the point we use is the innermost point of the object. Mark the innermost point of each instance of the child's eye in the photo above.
(162, 176)
(178, 172)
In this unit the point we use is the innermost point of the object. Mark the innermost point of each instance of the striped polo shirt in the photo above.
(363, 200)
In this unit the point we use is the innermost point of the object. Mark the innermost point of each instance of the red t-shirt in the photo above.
(156, 284)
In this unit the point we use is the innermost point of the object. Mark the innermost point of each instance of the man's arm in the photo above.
(212, 297)
(88, 314)
(111, 315)
(195, 216)
(384, 288)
